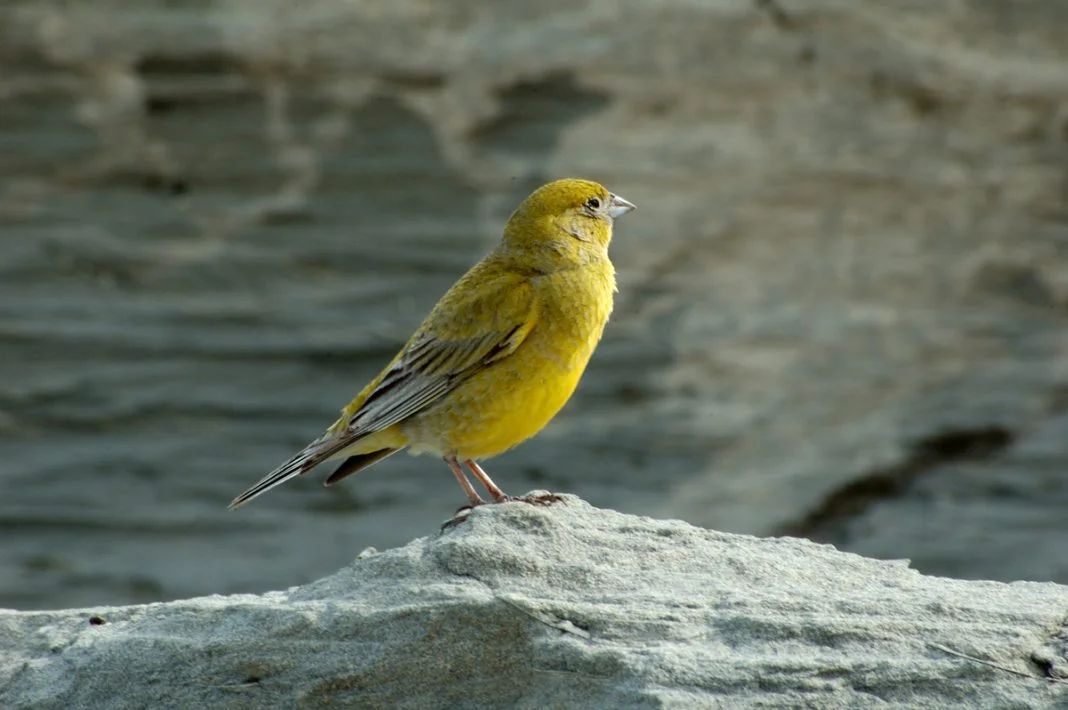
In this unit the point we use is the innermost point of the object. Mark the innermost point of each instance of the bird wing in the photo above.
(482, 319)
(470, 329)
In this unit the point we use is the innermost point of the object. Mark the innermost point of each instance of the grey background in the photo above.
(843, 296)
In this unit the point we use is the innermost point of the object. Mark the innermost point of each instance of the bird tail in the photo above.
(354, 464)
(311, 456)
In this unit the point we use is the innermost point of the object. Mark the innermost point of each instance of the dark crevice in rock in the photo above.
(826, 522)
(534, 112)
(922, 99)
(779, 16)
(206, 63)
(413, 79)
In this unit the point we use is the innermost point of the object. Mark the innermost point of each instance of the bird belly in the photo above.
(505, 404)
(496, 409)
(513, 398)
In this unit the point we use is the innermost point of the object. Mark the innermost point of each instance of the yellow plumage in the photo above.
(498, 356)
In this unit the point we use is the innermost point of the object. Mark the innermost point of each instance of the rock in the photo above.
(843, 295)
(524, 606)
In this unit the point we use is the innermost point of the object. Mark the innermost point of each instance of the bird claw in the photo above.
(455, 519)
(538, 499)
(464, 511)
(461, 514)
(541, 499)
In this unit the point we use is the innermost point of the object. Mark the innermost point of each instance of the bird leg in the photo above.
(487, 482)
(498, 494)
(469, 490)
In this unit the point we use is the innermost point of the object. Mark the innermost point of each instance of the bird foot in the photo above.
(461, 514)
(535, 499)
(465, 510)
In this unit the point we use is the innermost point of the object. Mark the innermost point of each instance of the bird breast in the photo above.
(573, 308)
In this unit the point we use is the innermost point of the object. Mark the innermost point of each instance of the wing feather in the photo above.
(413, 384)
(470, 328)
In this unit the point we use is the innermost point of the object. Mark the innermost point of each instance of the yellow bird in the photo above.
(499, 354)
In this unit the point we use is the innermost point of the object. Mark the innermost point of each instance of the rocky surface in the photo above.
(843, 296)
(565, 606)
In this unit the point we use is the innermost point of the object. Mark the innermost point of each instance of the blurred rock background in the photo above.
(843, 303)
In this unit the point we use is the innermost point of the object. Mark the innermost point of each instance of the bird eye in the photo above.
(593, 203)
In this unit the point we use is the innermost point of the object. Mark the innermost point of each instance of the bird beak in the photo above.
(619, 207)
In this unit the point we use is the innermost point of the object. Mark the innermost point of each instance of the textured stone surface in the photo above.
(842, 303)
(566, 606)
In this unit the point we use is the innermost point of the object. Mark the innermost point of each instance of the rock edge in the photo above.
(569, 605)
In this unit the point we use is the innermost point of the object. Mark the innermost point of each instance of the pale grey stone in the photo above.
(565, 606)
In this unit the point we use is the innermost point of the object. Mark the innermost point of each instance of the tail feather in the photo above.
(311, 456)
(357, 463)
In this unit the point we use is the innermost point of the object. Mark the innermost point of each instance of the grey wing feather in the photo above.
(309, 457)
(428, 371)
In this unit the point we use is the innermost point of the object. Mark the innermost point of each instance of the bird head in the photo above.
(563, 224)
